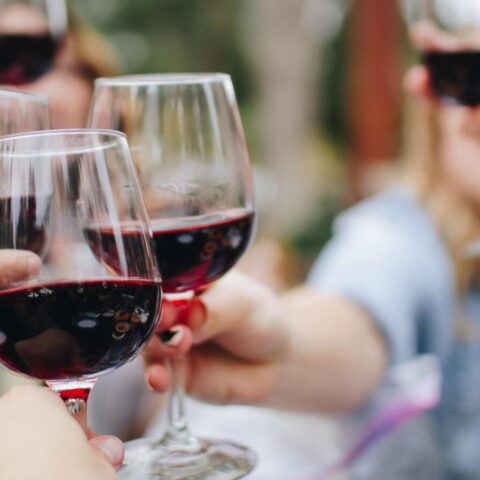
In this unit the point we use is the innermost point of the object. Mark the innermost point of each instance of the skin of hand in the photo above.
(17, 265)
(296, 351)
(37, 426)
(39, 440)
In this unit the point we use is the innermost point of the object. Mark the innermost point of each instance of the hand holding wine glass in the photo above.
(240, 345)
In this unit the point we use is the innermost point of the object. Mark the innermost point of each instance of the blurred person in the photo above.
(66, 69)
(399, 278)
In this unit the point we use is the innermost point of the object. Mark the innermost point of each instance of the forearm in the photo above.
(299, 351)
(335, 358)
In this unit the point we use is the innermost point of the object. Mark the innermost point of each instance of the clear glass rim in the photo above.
(164, 79)
(14, 93)
(113, 135)
(66, 132)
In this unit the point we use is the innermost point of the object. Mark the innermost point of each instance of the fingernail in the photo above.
(33, 266)
(172, 337)
(113, 449)
(197, 315)
(147, 381)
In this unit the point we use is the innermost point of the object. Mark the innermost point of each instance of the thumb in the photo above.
(17, 265)
(109, 447)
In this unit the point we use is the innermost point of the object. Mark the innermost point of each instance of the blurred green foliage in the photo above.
(331, 114)
(212, 35)
(174, 36)
(161, 36)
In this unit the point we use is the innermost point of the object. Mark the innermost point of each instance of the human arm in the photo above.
(301, 350)
(384, 276)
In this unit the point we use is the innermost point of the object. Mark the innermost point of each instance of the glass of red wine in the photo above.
(447, 32)
(31, 33)
(188, 146)
(60, 191)
(22, 112)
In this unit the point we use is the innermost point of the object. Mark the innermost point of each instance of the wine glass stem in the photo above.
(75, 396)
(177, 430)
(178, 436)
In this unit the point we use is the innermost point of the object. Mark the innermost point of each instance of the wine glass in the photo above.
(73, 198)
(31, 34)
(447, 33)
(188, 146)
(22, 112)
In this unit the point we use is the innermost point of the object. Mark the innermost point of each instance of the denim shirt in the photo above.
(387, 256)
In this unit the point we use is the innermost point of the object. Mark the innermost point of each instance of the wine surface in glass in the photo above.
(455, 76)
(68, 330)
(192, 252)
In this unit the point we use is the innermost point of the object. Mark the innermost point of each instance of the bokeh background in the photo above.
(319, 88)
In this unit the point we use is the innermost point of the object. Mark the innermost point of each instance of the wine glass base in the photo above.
(214, 460)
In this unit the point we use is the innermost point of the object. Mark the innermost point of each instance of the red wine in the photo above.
(455, 76)
(192, 252)
(24, 58)
(23, 222)
(58, 331)
(121, 251)
(191, 255)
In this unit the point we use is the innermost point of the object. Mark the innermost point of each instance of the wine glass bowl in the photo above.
(22, 112)
(447, 33)
(31, 34)
(59, 190)
(188, 146)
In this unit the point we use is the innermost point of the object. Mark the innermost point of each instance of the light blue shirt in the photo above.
(388, 257)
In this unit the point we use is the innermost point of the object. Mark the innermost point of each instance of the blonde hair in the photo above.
(457, 219)
(94, 57)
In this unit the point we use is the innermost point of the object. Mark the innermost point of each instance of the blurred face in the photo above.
(69, 92)
(459, 147)
(460, 150)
